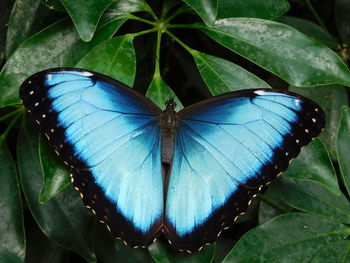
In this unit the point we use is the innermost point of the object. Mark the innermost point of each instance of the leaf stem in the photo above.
(159, 39)
(190, 50)
(181, 10)
(10, 114)
(9, 127)
(314, 12)
(136, 34)
(133, 17)
(192, 26)
(274, 205)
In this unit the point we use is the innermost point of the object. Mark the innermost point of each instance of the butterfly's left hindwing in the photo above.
(226, 148)
(110, 137)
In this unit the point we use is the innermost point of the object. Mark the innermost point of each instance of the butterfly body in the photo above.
(188, 174)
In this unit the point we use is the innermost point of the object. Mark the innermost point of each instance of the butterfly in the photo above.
(186, 174)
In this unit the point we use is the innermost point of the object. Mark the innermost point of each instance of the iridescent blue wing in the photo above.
(109, 135)
(226, 148)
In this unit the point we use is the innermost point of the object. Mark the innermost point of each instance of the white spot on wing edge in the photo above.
(260, 92)
(86, 74)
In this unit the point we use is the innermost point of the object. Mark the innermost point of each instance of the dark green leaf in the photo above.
(85, 15)
(308, 28)
(330, 98)
(222, 246)
(63, 219)
(162, 252)
(206, 9)
(282, 50)
(342, 17)
(12, 240)
(314, 164)
(267, 9)
(313, 198)
(334, 252)
(55, 173)
(293, 238)
(43, 50)
(41, 250)
(223, 76)
(22, 16)
(343, 146)
(159, 92)
(115, 58)
(111, 250)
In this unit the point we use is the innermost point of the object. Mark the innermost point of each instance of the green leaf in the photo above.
(223, 76)
(162, 252)
(281, 49)
(293, 238)
(41, 250)
(159, 92)
(123, 7)
(43, 50)
(334, 252)
(22, 16)
(342, 16)
(12, 240)
(63, 219)
(114, 57)
(55, 173)
(314, 164)
(343, 146)
(309, 28)
(112, 250)
(267, 9)
(313, 198)
(206, 9)
(330, 98)
(85, 15)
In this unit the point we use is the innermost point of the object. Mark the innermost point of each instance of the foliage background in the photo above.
(198, 49)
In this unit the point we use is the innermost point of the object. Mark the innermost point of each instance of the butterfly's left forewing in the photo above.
(226, 148)
(109, 135)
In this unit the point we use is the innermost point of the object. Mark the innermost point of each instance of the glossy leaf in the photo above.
(22, 16)
(122, 7)
(115, 58)
(343, 146)
(63, 219)
(313, 198)
(41, 250)
(42, 51)
(223, 76)
(12, 239)
(161, 252)
(342, 17)
(159, 92)
(85, 15)
(55, 173)
(268, 210)
(314, 164)
(330, 98)
(267, 9)
(309, 28)
(334, 252)
(281, 49)
(295, 237)
(111, 250)
(206, 9)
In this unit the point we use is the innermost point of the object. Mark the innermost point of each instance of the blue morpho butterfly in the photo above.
(188, 174)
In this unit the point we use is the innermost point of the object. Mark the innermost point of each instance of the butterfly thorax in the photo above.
(168, 123)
